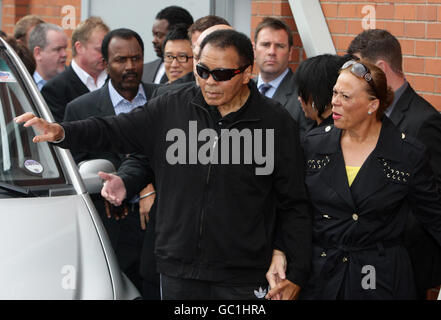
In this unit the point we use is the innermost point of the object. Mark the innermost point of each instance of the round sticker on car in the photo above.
(33, 166)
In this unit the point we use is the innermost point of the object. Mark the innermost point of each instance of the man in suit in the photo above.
(154, 71)
(86, 72)
(273, 46)
(48, 43)
(122, 51)
(414, 116)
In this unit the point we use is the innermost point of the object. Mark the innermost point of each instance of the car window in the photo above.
(22, 162)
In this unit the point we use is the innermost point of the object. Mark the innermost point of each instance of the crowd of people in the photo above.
(353, 152)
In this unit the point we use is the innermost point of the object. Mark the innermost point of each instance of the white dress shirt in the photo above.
(274, 83)
(38, 80)
(121, 104)
(87, 79)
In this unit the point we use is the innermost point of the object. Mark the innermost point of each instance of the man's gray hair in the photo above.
(38, 36)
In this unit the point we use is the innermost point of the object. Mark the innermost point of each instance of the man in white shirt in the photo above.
(273, 47)
(48, 44)
(86, 72)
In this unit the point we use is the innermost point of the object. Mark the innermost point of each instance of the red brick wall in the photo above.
(49, 10)
(416, 24)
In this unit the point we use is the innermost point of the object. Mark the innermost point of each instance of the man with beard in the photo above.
(122, 51)
(154, 71)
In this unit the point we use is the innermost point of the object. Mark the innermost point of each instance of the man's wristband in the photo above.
(146, 195)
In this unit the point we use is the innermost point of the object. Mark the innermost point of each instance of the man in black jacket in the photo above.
(86, 72)
(218, 203)
(416, 117)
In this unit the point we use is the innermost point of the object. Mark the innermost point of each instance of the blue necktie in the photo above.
(264, 88)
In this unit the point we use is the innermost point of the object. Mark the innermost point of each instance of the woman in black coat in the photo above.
(363, 176)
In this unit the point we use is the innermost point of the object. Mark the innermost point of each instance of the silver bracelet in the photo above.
(146, 195)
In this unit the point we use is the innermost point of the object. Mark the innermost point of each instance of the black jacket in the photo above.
(416, 117)
(213, 222)
(363, 225)
(62, 89)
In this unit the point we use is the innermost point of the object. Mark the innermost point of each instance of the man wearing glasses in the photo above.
(215, 220)
(178, 55)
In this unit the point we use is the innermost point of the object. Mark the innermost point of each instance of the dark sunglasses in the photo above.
(218, 74)
(360, 70)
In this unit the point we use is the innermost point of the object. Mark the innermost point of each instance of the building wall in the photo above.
(66, 13)
(416, 24)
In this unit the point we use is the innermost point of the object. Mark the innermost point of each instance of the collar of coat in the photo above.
(389, 145)
(254, 103)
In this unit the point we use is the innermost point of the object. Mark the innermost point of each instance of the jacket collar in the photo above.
(366, 183)
(254, 103)
(402, 105)
(388, 145)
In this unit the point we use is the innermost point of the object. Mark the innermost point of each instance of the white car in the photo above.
(53, 243)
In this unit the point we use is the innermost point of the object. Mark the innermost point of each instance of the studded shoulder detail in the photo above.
(394, 174)
(317, 163)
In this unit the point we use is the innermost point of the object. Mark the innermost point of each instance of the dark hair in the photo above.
(24, 24)
(382, 91)
(122, 33)
(315, 79)
(206, 22)
(178, 32)
(24, 53)
(175, 15)
(223, 39)
(3, 34)
(275, 24)
(375, 44)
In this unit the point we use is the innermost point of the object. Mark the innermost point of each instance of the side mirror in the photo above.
(89, 173)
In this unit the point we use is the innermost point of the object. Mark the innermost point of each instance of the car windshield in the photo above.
(22, 162)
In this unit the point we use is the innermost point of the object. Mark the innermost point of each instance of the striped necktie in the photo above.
(264, 87)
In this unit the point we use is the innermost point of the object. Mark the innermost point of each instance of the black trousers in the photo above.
(189, 289)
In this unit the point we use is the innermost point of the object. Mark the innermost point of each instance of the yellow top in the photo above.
(352, 173)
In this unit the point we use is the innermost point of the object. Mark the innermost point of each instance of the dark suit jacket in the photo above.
(287, 95)
(362, 224)
(149, 71)
(97, 104)
(61, 90)
(416, 117)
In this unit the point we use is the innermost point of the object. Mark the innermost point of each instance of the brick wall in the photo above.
(49, 10)
(416, 24)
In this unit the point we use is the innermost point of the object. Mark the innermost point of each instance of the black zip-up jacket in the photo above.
(213, 221)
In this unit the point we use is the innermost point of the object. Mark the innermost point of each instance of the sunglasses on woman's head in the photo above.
(360, 70)
(218, 74)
